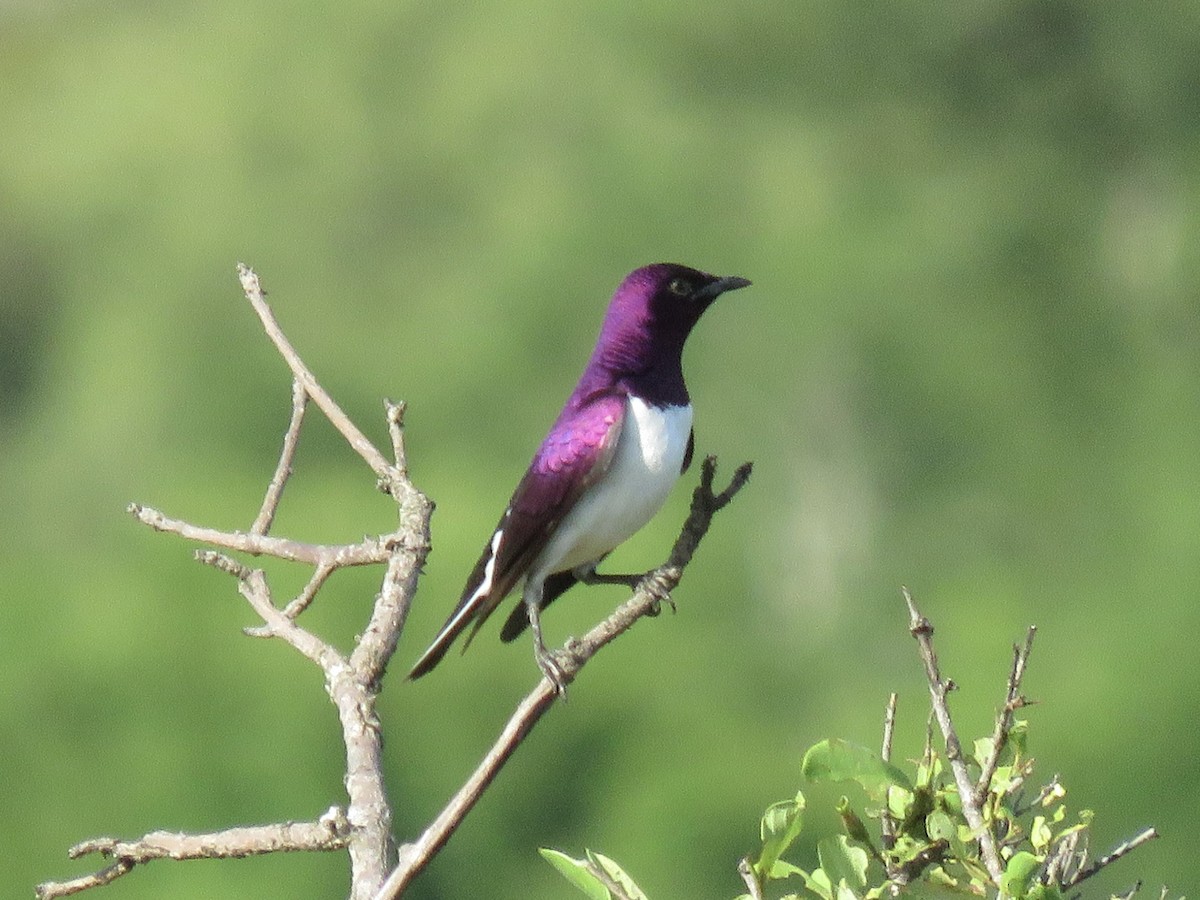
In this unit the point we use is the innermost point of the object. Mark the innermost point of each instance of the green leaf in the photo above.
(837, 760)
(617, 875)
(1019, 874)
(899, 802)
(818, 883)
(983, 749)
(784, 869)
(1040, 834)
(842, 861)
(781, 825)
(1002, 780)
(578, 873)
(940, 827)
(932, 890)
(1018, 735)
(1056, 792)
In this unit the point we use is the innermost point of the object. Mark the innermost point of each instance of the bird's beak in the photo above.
(712, 291)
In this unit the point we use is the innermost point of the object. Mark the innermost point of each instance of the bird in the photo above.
(603, 470)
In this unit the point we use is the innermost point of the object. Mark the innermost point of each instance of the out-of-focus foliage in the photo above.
(928, 847)
(969, 363)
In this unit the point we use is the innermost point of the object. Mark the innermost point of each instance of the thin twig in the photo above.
(283, 471)
(1132, 844)
(354, 437)
(371, 551)
(394, 411)
(48, 890)
(1004, 718)
(922, 630)
(302, 600)
(746, 870)
(327, 833)
(887, 822)
(648, 596)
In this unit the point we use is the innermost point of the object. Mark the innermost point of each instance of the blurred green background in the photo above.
(968, 364)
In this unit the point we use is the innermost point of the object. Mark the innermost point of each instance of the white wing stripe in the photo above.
(485, 586)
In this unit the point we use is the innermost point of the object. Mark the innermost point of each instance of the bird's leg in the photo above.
(544, 657)
(587, 574)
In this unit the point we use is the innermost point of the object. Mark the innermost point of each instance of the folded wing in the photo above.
(573, 456)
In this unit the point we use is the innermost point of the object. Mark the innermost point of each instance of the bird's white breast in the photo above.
(644, 468)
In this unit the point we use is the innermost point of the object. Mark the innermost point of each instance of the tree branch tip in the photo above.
(704, 492)
(746, 871)
(917, 623)
(101, 845)
(249, 280)
(222, 563)
(741, 475)
(147, 515)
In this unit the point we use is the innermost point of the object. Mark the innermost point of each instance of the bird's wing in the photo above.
(559, 583)
(574, 455)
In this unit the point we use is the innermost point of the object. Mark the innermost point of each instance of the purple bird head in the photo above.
(641, 341)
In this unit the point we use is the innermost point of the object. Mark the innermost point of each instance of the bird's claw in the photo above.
(548, 662)
(656, 605)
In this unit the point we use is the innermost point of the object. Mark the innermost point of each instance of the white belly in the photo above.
(643, 470)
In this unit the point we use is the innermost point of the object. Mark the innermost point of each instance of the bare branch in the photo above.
(302, 600)
(355, 438)
(922, 630)
(370, 551)
(378, 641)
(364, 829)
(1004, 718)
(395, 418)
(887, 821)
(1132, 844)
(50, 889)
(651, 592)
(283, 471)
(746, 870)
(368, 812)
(327, 833)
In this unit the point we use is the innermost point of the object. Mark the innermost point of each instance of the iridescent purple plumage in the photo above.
(606, 464)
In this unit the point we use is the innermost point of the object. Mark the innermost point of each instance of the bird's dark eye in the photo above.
(680, 287)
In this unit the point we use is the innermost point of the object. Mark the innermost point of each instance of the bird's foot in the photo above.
(548, 662)
(656, 604)
(588, 575)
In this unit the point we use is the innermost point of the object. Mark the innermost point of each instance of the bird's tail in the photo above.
(437, 649)
(481, 596)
